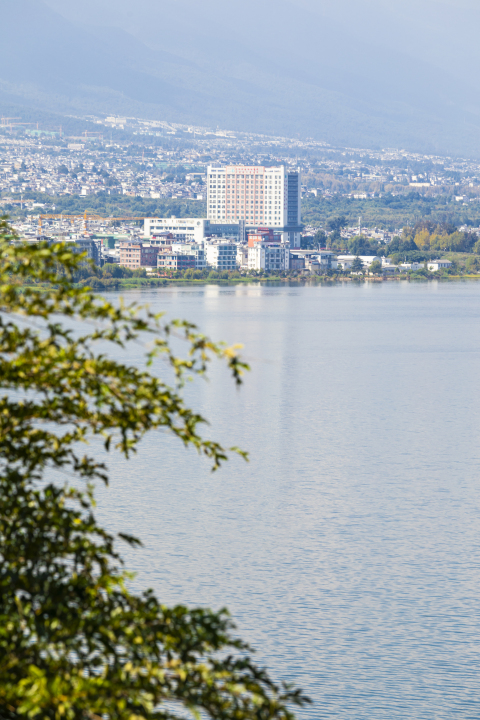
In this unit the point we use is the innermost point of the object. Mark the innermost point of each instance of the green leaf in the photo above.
(75, 644)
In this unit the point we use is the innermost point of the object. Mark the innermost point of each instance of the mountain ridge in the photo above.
(344, 95)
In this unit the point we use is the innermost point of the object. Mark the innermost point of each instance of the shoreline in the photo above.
(157, 283)
(134, 284)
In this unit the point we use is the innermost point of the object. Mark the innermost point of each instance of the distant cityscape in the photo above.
(241, 194)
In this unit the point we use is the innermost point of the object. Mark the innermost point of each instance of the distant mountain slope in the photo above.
(260, 66)
(45, 57)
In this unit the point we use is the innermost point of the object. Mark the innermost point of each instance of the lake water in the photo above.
(348, 549)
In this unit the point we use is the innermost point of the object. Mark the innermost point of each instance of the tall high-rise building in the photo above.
(259, 196)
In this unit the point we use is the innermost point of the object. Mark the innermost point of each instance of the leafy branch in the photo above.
(75, 644)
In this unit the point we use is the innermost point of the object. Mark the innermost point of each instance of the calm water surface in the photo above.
(348, 549)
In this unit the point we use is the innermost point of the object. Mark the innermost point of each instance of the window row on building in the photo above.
(254, 194)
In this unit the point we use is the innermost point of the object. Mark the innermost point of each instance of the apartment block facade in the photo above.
(175, 261)
(268, 256)
(137, 255)
(221, 255)
(256, 195)
(195, 249)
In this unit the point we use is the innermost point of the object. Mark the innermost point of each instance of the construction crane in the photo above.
(15, 124)
(72, 218)
(85, 218)
(112, 219)
(86, 133)
(41, 219)
(7, 122)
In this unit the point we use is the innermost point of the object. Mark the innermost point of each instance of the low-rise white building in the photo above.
(182, 229)
(327, 260)
(268, 256)
(313, 266)
(221, 255)
(412, 266)
(346, 261)
(434, 265)
(390, 269)
(317, 261)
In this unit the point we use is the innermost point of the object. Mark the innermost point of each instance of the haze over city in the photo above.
(375, 74)
(282, 198)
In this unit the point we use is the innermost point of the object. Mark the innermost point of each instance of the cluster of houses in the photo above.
(179, 244)
(186, 246)
(70, 176)
(163, 251)
(345, 262)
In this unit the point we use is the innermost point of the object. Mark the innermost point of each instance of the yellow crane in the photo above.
(86, 133)
(85, 218)
(62, 216)
(7, 122)
(10, 125)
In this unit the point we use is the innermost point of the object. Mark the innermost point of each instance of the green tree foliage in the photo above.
(472, 265)
(389, 211)
(75, 643)
(440, 239)
(426, 236)
(307, 242)
(320, 239)
(357, 265)
(376, 268)
(123, 205)
(116, 271)
(402, 244)
(337, 223)
(360, 245)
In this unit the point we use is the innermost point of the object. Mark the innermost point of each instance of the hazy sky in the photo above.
(441, 32)
(382, 71)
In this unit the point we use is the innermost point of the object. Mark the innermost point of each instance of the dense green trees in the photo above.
(389, 211)
(423, 241)
(360, 245)
(75, 644)
(336, 224)
(472, 264)
(121, 205)
(357, 265)
(402, 244)
(320, 239)
(426, 235)
(376, 268)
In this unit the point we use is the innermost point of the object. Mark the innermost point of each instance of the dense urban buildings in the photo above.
(161, 197)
